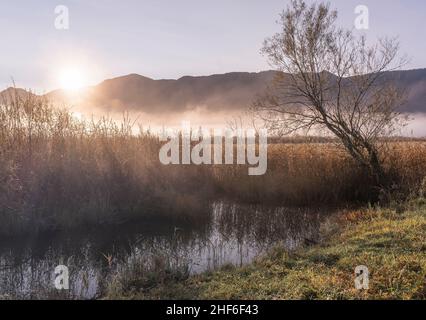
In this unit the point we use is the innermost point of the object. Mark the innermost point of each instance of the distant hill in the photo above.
(11, 94)
(414, 82)
(216, 93)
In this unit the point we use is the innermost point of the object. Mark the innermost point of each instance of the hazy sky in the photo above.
(168, 39)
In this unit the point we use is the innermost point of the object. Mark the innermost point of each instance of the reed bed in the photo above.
(58, 172)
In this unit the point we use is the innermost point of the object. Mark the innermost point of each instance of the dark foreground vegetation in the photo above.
(58, 173)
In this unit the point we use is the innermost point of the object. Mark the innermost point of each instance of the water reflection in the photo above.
(232, 234)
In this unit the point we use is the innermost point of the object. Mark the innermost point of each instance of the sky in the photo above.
(168, 38)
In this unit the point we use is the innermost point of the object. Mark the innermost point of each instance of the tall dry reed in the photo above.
(58, 172)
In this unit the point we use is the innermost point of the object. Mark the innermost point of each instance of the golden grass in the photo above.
(390, 244)
(57, 172)
(322, 173)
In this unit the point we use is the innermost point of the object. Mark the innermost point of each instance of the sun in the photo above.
(72, 79)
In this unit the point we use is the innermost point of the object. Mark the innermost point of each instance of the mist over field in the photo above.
(209, 101)
(416, 126)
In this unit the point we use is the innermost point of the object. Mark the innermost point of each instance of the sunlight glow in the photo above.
(72, 79)
(78, 115)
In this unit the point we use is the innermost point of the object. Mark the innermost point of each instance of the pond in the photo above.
(231, 234)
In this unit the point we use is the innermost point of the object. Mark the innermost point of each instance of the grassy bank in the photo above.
(391, 243)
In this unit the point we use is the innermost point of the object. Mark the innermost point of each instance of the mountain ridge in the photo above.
(216, 92)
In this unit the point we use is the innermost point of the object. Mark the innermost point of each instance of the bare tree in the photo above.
(330, 79)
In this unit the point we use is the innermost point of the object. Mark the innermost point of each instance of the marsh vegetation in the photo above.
(60, 173)
(93, 194)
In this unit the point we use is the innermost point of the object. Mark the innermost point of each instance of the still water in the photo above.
(231, 234)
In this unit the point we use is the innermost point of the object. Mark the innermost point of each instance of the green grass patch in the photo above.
(390, 244)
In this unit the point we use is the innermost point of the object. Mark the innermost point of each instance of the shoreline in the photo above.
(390, 243)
